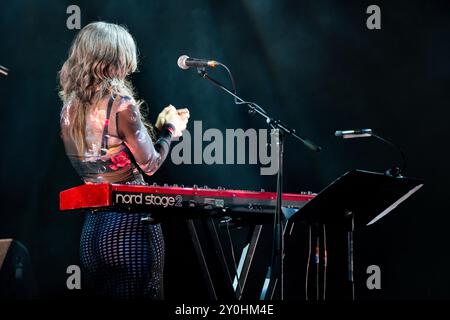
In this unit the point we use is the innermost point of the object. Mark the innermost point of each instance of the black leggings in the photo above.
(121, 256)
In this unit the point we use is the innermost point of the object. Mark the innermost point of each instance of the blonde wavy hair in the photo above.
(100, 59)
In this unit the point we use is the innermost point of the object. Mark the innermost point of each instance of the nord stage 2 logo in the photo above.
(148, 199)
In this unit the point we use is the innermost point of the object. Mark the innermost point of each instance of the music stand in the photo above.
(368, 196)
(358, 198)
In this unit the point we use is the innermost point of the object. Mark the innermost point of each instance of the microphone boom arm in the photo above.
(254, 108)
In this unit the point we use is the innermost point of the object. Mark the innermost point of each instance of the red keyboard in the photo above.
(148, 198)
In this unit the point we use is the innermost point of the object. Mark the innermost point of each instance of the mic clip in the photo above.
(201, 71)
(394, 172)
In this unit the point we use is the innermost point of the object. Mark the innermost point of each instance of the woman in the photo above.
(107, 140)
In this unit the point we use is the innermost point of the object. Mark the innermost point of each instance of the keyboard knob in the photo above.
(205, 187)
(166, 184)
(175, 185)
(154, 184)
(195, 186)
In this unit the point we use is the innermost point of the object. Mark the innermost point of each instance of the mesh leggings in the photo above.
(121, 256)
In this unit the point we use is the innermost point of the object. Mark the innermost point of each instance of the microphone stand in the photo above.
(282, 131)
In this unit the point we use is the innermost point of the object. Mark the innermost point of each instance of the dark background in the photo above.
(312, 63)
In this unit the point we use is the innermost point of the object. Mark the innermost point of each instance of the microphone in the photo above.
(357, 133)
(184, 62)
(4, 70)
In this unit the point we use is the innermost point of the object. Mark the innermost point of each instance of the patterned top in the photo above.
(117, 143)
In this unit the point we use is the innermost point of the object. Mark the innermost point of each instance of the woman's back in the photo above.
(106, 157)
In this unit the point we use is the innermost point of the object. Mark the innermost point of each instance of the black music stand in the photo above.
(368, 196)
(356, 199)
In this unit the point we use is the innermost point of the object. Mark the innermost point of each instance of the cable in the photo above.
(350, 254)
(325, 262)
(233, 84)
(308, 262)
(396, 171)
(352, 257)
(317, 261)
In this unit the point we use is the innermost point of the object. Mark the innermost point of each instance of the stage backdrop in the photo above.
(314, 64)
